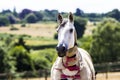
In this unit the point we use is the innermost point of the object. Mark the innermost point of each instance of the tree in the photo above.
(80, 24)
(15, 12)
(13, 57)
(24, 12)
(31, 18)
(2, 56)
(4, 21)
(21, 57)
(114, 14)
(11, 18)
(106, 42)
(49, 15)
(38, 15)
(5, 60)
(6, 11)
(79, 12)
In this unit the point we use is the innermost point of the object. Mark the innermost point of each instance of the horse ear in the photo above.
(59, 18)
(70, 17)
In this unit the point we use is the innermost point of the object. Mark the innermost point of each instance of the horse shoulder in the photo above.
(56, 69)
(88, 67)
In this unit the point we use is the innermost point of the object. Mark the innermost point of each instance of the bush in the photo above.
(85, 42)
(106, 42)
(80, 24)
(12, 18)
(38, 15)
(2, 56)
(4, 21)
(23, 25)
(13, 28)
(21, 57)
(43, 59)
(55, 36)
(24, 12)
(31, 18)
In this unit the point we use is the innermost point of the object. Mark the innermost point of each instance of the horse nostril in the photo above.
(61, 49)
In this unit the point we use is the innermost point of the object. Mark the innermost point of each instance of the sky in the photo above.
(88, 6)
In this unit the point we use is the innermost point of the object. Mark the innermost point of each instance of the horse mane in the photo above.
(75, 34)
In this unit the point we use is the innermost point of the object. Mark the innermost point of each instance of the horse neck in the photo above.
(70, 59)
(75, 36)
(72, 51)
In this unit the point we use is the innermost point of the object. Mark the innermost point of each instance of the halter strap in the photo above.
(72, 51)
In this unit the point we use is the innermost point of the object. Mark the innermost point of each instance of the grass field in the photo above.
(37, 29)
(45, 29)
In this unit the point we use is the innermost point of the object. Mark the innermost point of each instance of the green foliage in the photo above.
(22, 58)
(79, 12)
(85, 42)
(31, 18)
(5, 45)
(114, 14)
(13, 57)
(80, 24)
(15, 12)
(12, 19)
(24, 13)
(38, 15)
(94, 16)
(55, 36)
(49, 15)
(106, 42)
(43, 59)
(23, 25)
(2, 56)
(4, 21)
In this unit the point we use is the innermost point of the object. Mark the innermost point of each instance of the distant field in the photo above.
(37, 41)
(47, 29)
(37, 29)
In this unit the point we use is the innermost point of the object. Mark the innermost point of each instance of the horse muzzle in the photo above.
(61, 49)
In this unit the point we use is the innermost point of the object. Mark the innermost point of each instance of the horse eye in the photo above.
(71, 30)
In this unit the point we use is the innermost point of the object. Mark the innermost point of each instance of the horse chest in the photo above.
(67, 74)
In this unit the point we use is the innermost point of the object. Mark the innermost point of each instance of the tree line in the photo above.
(29, 16)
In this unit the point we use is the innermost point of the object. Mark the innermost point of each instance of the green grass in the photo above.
(40, 41)
(42, 29)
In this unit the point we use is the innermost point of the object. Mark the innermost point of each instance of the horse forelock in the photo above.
(62, 24)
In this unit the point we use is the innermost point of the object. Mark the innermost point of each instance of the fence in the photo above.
(25, 75)
(107, 67)
(100, 68)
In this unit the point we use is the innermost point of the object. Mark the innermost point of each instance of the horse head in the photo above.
(66, 34)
